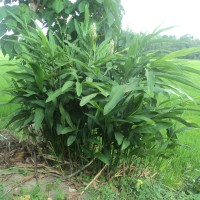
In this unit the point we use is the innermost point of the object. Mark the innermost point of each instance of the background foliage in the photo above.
(60, 16)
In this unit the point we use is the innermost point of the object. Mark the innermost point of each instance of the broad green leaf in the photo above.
(54, 94)
(78, 89)
(186, 123)
(40, 103)
(38, 118)
(179, 79)
(102, 158)
(43, 37)
(25, 76)
(49, 114)
(52, 43)
(18, 19)
(100, 1)
(134, 104)
(81, 6)
(69, 10)
(87, 99)
(7, 48)
(116, 96)
(28, 120)
(4, 103)
(39, 74)
(163, 125)
(182, 130)
(133, 49)
(17, 125)
(10, 63)
(99, 87)
(140, 118)
(30, 92)
(67, 130)
(58, 5)
(17, 115)
(82, 64)
(76, 48)
(150, 81)
(11, 23)
(87, 19)
(59, 128)
(77, 27)
(66, 116)
(67, 85)
(71, 140)
(119, 137)
(110, 19)
(146, 128)
(25, 13)
(126, 143)
(3, 12)
(102, 50)
(96, 105)
(181, 53)
(191, 69)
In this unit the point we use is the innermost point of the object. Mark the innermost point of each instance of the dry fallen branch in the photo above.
(99, 173)
(78, 171)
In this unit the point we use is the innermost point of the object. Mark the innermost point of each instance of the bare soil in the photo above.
(22, 170)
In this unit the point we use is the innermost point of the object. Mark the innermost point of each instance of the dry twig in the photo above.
(78, 171)
(99, 173)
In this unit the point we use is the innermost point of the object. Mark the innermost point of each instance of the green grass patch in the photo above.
(5, 110)
(133, 188)
(186, 160)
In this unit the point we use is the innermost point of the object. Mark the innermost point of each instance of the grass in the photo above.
(186, 160)
(132, 188)
(4, 83)
(37, 192)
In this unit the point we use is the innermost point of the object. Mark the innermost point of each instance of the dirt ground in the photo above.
(21, 172)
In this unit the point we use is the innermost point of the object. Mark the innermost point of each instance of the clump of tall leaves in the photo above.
(87, 100)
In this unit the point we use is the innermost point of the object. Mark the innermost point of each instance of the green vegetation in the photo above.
(93, 101)
(174, 44)
(103, 96)
(186, 159)
(175, 170)
(36, 192)
(5, 110)
(132, 188)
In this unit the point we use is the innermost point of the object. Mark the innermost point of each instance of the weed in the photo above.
(35, 193)
(133, 188)
(185, 159)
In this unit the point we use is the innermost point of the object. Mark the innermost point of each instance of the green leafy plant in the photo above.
(88, 100)
(133, 188)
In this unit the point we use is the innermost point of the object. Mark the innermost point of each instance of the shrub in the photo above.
(87, 99)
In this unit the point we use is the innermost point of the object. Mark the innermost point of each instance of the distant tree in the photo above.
(171, 43)
(55, 14)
